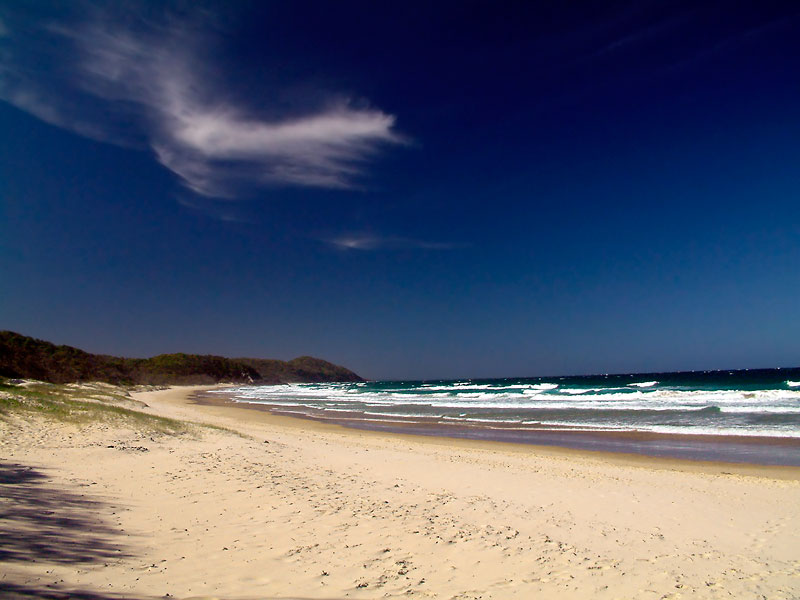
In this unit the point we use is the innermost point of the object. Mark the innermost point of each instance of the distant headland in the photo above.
(29, 358)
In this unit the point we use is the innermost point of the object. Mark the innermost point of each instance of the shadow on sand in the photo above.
(10, 591)
(40, 522)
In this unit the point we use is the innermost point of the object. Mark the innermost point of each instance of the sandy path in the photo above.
(320, 512)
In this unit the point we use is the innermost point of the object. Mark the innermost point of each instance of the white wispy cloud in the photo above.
(375, 242)
(156, 86)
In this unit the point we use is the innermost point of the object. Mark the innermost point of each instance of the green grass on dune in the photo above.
(82, 405)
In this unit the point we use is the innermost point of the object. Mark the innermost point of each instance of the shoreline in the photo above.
(565, 445)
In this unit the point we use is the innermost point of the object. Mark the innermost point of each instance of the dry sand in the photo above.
(296, 509)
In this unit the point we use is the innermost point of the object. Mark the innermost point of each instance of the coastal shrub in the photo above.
(28, 358)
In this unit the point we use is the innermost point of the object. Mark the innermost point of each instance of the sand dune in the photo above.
(294, 509)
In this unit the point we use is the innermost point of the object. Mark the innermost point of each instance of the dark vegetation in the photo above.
(24, 357)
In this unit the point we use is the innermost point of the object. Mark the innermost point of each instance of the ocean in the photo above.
(739, 416)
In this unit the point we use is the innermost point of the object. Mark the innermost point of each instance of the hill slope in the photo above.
(28, 358)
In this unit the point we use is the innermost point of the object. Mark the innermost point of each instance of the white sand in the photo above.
(319, 511)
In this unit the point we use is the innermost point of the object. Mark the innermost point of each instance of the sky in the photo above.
(415, 190)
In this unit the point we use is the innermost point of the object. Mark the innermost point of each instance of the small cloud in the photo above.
(371, 242)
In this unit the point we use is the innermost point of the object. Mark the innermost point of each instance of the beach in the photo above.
(268, 506)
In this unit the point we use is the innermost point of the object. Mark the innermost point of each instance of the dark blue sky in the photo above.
(413, 190)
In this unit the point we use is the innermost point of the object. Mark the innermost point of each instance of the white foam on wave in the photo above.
(543, 386)
(793, 383)
(459, 388)
(726, 431)
(778, 410)
(429, 387)
(400, 416)
(489, 421)
(273, 402)
(671, 429)
(643, 384)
